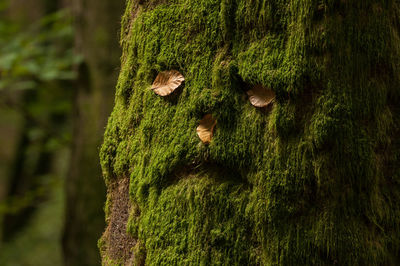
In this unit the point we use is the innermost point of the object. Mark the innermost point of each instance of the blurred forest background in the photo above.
(59, 61)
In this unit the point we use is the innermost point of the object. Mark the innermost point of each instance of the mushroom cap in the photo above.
(206, 128)
(167, 82)
(260, 96)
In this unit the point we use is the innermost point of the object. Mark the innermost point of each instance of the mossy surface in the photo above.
(313, 181)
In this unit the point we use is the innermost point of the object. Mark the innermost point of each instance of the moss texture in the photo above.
(313, 181)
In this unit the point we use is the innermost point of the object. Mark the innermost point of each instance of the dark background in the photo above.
(59, 61)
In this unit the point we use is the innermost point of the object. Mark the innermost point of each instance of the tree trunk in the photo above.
(97, 23)
(311, 179)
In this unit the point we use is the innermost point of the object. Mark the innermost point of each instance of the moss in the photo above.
(313, 181)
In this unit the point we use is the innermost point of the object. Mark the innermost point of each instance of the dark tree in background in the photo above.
(313, 179)
(38, 91)
(97, 24)
(36, 60)
(16, 180)
(47, 89)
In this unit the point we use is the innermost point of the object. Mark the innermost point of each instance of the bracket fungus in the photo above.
(167, 82)
(260, 96)
(206, 128)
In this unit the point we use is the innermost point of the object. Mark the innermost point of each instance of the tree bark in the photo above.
(312, 179)
(96, 28)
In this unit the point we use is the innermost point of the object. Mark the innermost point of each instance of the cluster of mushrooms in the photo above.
(167, 82)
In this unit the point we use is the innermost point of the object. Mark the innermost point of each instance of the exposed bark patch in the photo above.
(119, 244)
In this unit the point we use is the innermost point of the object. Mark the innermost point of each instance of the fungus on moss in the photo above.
(167, 82)
(261, 96)
(206, 128)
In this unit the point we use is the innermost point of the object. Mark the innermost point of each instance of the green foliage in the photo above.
(313, 182)
(40, 53)
(36, 70)
(36, 64)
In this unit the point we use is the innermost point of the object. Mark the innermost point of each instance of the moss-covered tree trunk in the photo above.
(96, 27)
(313, 179)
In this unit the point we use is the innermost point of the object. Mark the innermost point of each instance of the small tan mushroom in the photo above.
(206, 128)
(167, 82)
(260, 96)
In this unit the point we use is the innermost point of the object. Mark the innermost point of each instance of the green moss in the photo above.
(313, 181)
